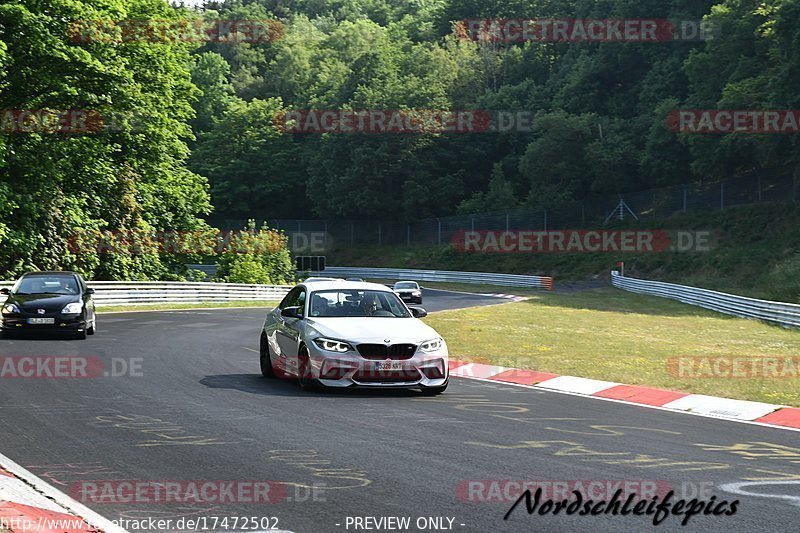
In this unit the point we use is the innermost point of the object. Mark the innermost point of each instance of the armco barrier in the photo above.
(488, 278)
(785, 314)
(154, 292)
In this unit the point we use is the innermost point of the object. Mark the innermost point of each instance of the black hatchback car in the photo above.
(49, 302)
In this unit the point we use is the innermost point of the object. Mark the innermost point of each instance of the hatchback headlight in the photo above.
(10, 309)
(433, 345)
(330, 345)
(74, 308)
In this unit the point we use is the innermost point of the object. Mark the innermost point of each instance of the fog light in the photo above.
(336, 372)
(433, 372)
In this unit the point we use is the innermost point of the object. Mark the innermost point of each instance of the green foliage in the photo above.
(600, 108)
(256, 257)
(127, 176)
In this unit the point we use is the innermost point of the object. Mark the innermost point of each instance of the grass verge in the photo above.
(614, 335)
(170, 307)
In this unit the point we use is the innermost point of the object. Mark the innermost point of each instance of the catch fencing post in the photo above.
(685, 194)
(439, 238)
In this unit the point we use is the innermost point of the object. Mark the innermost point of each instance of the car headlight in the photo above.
(74, 308)
(330, 345)
(416, 293)
(10, 309)
(433, 345)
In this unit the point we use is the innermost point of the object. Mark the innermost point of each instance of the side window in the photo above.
(301, 301)
(295, 298)
(289, 298)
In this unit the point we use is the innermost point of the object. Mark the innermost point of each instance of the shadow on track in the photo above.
(256, 384)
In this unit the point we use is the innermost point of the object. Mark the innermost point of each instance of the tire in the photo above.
(304, 378)
(92, 330)
(264, 359)
(434, 391)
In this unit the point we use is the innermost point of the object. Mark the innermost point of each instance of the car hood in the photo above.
(49, 302)
(373, 329)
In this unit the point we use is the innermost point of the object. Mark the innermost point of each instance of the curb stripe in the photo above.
(14, 490)
(642, 395)
(523, 377)
(478, 370)
(756, 413)
(578, 385)
(721, 407)
(788, 416)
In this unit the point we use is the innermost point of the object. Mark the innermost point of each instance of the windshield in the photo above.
(357, 303)
(406, 285)
(46, 285)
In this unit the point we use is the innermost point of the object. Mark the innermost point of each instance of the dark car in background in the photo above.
(408, 291)
(49, 302)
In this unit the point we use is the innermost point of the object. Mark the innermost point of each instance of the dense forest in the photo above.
(195, 133)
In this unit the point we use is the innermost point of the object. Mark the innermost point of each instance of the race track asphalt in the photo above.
(198, 410)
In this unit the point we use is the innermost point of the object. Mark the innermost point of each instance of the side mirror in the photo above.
(89, 290)
(5, 290)
(418, 312)
(291, 312)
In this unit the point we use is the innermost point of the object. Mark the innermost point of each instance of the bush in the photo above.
(256, 256)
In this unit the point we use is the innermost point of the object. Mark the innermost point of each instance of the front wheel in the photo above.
(92, 330)
(264, 358)
(304, 377)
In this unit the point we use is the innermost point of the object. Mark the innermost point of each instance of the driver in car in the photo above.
(369, 305)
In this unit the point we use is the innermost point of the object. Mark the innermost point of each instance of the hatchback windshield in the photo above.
(46, 285)
(357, 303)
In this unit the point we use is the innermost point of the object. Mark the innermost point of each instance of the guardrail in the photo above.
(155, 292)
(782, 313)
(488, 278)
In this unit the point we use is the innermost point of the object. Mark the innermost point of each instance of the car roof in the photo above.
(343, 284)
(50, 273)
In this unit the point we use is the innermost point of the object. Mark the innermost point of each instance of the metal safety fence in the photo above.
(785, 314)
(157, 292)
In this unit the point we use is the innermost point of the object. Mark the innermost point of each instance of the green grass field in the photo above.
(613, 335)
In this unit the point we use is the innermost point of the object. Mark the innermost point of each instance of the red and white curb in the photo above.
(511, 297)
(697, 404)
(31, 505)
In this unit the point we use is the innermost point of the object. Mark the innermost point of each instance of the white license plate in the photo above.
(388, 365)
(41, 321)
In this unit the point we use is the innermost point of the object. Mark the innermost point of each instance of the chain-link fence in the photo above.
(321, 235)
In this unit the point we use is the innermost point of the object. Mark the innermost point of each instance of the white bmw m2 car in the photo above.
(352, 334)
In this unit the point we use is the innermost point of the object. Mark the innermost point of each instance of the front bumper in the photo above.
(408, 297)
(352, 370)
(61, 323)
